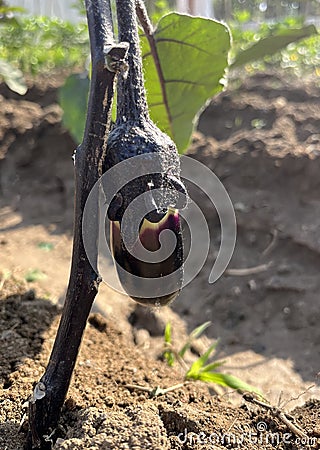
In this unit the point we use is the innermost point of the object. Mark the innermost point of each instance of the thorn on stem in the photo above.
(38, 393)
(115, 57)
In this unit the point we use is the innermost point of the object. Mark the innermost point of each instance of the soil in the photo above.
(262, 139)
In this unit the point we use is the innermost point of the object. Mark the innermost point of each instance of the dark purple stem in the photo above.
(132, 103)
(149, 32)
(83, 283)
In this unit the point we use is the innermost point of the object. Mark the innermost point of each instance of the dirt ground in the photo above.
(263, 141)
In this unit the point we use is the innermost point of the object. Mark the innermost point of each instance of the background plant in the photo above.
(11, 75)
(300, 56)
(38, 45)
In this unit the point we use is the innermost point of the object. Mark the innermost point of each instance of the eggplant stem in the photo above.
(131, 103)
(45, 405)
(149, 32)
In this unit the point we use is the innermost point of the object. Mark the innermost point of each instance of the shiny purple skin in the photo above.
(149, 237)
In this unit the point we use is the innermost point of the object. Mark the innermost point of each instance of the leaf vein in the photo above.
(176, 41)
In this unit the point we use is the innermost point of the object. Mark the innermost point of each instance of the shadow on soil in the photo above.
(23, 322)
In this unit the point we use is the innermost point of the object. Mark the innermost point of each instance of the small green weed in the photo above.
(46, 246)
(201, 369)
(34, 275)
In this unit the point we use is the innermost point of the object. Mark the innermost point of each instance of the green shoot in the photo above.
(200, 369)
(168, 355)
(199, 365)
(46, 246)
(195, 334)
(34, 275)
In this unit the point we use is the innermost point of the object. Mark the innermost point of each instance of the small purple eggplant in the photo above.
(150, 281)
(134, 272)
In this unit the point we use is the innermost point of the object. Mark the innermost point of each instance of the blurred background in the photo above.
(56, 35)
(219, 9)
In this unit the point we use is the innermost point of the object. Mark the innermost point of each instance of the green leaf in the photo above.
(168, 355)
(212, 366)
(227, 380)
(193, 56)
(73, 98)
(272, 44)
(167, 333)
(193, 335)
(196, 367)
(197, 332)
(13, 77)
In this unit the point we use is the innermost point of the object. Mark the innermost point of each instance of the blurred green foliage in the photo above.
(11, 75)
(73, 98)
(298, 58)
(42, 44)
(158, 8)
(7, 13)
(264, 10)
(79, 5)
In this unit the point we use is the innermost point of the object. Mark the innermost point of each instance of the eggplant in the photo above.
(134, 134)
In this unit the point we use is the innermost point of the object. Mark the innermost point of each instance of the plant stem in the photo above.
(44, 409)
(132, 103)
(149, 32)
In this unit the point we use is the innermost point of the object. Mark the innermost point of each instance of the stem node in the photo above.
(115, 57)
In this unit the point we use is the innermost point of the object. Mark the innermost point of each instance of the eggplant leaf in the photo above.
(272, 44)
(73, 98)
(192, 56)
